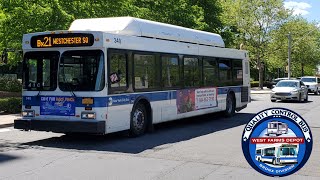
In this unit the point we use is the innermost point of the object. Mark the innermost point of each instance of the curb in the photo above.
(6, 125)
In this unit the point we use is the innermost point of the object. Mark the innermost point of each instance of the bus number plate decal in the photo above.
(117, 40)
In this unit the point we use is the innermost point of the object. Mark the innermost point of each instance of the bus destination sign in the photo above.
(62, 40)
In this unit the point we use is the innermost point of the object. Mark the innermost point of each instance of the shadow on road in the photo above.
(288, 101)
(164, 133)
(5, 158)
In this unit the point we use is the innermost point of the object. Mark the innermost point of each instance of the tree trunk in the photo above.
(302, 69)
(260, 73)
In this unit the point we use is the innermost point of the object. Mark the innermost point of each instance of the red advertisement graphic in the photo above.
(194, 99)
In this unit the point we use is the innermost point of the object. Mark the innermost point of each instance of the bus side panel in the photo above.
(118, 117)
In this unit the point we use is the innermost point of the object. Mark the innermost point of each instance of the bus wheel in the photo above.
(138, 122)
(230, 106)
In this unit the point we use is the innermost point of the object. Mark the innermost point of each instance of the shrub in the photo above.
(11, 105)
(10, 85)
(254, 84)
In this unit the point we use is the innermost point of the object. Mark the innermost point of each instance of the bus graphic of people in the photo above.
(277, 128)
(277, 154)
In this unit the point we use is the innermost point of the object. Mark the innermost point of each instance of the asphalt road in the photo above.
(206, 147)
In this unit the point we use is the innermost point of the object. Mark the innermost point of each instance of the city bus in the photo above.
(106, 75)
(277, 128)
(278, 154)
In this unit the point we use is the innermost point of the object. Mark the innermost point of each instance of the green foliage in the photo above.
(305, 46)
(254, 83)
(11, 105)
(20, 17)
(10, 85)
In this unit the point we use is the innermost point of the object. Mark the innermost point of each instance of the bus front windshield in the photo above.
(308, 79)
(40, 70)
(82, 71)
(288, 151)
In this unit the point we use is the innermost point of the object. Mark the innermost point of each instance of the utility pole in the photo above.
(289, 55)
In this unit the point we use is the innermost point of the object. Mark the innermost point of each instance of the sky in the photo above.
(309, 9)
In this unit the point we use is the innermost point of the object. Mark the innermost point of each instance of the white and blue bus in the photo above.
(112, 74)
(278, 154)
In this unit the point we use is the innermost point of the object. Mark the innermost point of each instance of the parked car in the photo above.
(289, 90)
(313, 84)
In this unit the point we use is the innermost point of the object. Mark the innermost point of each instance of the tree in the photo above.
(254, 20)
(305, 46)
(20, 17)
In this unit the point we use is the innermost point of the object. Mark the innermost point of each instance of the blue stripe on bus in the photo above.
(122, 99)
(268, 157)
(288, 158)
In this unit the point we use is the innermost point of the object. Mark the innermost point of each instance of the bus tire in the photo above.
(138, 121)
(230, 105)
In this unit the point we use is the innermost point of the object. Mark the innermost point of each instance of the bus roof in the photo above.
(144, 28)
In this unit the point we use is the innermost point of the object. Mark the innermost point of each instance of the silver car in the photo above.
(289, 90)
(313, 84)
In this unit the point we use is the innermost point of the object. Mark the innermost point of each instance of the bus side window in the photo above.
(225, 70)
(170, 71)
(118, 70)
(191, 72)
(145, 74)
(237, 71)
(210, 75)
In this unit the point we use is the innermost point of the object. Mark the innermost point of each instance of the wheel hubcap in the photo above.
(138, 119)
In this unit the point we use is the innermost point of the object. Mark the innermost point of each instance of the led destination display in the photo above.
(62, 40)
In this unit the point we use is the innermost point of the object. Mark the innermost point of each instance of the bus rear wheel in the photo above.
(138, 122)
(230, 105)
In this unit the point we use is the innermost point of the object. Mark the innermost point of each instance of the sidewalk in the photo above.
(8, 120)
(257, 90)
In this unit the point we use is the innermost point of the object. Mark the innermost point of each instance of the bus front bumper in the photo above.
(95, 127)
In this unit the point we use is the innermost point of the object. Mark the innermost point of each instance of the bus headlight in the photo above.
(28, 113)
(88, 115)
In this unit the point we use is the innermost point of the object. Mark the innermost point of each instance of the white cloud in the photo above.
(299, 8)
